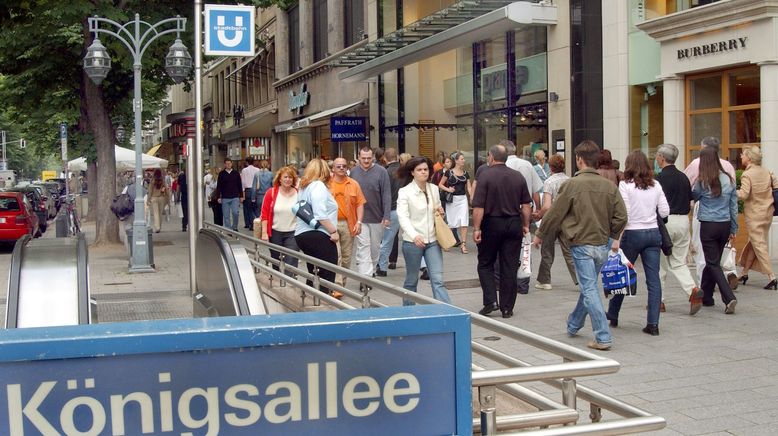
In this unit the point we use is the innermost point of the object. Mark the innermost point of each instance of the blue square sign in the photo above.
(229, 30)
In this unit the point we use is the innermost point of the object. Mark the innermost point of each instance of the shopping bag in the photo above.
(525, 267)
(443, 233)
(618, 276)
(180, 210)
(728, 257)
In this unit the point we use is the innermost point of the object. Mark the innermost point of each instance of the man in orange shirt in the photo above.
(351, 206)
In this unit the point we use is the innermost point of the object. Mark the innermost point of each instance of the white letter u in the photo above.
(222, 35)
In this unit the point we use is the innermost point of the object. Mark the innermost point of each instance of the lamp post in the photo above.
(178, 64)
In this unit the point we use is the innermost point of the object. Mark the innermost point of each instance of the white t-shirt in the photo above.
(283, 218)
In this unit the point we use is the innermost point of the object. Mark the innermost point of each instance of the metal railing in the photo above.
(575, 362)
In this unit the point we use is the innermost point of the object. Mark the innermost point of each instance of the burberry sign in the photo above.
(725, 46)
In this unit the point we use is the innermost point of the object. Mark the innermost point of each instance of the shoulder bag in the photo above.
(667, 243)
(775, 194)
(303, 210)
(443, 233)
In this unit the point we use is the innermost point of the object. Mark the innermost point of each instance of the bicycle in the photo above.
(73, 224)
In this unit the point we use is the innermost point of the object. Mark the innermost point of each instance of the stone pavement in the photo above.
(706, 374)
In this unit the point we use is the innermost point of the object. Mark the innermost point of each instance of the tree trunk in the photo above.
(99, 123)
(91, 180)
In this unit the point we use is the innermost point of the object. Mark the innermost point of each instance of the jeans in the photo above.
(286, 240)
(248, 208)
(588, 260)
(230, 212)
(388, 241)
(646, 243)
(434, 258)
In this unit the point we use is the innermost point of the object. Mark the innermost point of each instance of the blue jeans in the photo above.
(645, 243)
(433, 256)
(388, 241)
(230, 210)
(588, 260)
(248, 208)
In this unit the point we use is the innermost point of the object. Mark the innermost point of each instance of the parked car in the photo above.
(51, 204)
(17, 217)
(56, 193)
(38, 204)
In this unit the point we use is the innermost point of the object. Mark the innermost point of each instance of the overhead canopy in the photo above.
(305, 122)
(153, 150)
(125, 161)
(458, 25)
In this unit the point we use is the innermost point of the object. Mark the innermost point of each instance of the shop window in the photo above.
(355, 21)
(319, 30)
(294, 40)
(725, 105)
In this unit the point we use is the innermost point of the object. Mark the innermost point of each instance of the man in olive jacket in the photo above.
(590, 213)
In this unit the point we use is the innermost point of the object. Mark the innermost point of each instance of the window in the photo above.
(725, 105)
(294, 40)
(319, 30)
(355, 21)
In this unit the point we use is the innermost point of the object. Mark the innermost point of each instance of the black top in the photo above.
(182, 188)
(501, 191)
(459, 183)
(677, 189)
(229, 184)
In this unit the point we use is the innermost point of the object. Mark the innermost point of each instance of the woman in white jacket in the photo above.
(417, 204)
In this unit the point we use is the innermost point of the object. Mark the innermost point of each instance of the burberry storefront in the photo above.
(719, 69)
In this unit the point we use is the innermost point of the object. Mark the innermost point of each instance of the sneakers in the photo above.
(544, 286)
(695, 301)
(488, 309)
(392, 265)
(598, 346)
(730, 309)
(380, 273)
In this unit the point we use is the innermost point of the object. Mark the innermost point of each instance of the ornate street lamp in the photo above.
(120, 133)
(178, 64)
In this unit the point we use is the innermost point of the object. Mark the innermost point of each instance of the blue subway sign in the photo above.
(344, 129)
(229, 30)
(382, 371)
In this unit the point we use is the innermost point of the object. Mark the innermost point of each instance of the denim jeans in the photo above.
(588, 260)
(230, 210)
(248, 208)
(646, 243)
(433, 256)
(387, 241)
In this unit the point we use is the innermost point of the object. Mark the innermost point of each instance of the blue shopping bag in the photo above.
(618, 276)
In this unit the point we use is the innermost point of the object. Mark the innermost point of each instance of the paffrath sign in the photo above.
(344, 372)
(229, 30)
(344, 129)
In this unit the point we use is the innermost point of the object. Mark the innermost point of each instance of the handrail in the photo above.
(12, 303)
(576, 362)
(85, 306)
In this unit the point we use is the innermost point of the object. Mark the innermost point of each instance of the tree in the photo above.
(42, 46)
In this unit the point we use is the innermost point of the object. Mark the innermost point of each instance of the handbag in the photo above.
(303, 210)
(122, 206)
(667, 243)
(618, 276)
(446, 197)
(443, 233)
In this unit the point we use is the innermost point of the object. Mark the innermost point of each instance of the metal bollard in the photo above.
(569, 394)
(365, 295)
(487, 400)
(282, 268)
(316, 285)
(595, 412)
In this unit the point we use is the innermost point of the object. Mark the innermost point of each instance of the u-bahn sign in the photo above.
(377, 371)
(229, 30)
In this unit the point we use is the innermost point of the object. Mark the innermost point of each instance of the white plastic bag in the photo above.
(525, 268)
(180, 210)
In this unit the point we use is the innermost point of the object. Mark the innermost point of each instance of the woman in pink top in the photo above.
(644, 198)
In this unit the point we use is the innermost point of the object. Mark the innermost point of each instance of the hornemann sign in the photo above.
(376, 371)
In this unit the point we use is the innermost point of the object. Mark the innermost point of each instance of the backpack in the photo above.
(122, 206)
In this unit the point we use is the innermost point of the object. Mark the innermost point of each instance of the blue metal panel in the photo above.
(324, 372)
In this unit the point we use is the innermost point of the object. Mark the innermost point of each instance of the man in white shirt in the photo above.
(250, 203)
(534, 183)
(692, 172)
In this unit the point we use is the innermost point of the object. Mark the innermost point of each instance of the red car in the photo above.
(17, 217)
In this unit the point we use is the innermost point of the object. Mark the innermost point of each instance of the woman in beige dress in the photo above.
(756, 191)
(157, 198)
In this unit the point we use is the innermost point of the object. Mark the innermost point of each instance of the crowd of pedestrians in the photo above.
(651, 211)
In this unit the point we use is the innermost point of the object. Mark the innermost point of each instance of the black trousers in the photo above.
(218, 217)
(714, 237)
(316, 244)
(286, 240)
(394, 253)
(500, 238)
(185, 209)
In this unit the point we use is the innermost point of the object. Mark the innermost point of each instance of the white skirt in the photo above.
(457, 212)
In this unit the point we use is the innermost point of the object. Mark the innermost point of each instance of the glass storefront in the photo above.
(725, 105)
(304, 144)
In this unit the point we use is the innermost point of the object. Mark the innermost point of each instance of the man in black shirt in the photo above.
(678, 191)
(230, 189)
(183, 189)
(501, 214)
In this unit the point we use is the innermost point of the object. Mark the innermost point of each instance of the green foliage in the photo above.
(283, 4)
(41, 58)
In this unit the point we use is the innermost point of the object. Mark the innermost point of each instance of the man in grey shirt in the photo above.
(375, 184)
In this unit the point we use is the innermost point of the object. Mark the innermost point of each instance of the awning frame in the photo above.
(305, 122)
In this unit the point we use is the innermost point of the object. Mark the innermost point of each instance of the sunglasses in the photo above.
(340, 166)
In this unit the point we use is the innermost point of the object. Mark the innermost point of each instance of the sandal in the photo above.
(337, 294)
(463, 247)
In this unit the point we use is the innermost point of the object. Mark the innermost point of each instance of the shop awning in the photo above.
(458, 25)
(305, 122)
(153, 150)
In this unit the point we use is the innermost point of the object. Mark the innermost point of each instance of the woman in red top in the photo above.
(277, 221)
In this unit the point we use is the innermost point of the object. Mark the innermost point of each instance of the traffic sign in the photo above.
(63, 137)
(229, 30)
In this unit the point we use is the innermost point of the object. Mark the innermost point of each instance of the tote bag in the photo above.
(443, 233)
